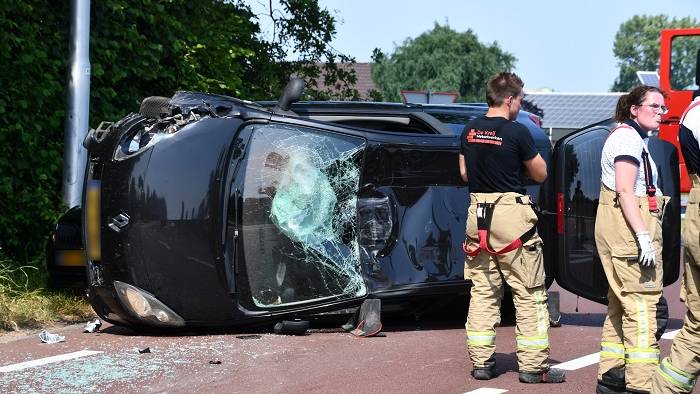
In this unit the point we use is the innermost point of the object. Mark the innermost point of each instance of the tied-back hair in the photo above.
(501, 86)
(634, 97)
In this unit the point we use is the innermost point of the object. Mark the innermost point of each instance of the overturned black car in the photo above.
(205, 210)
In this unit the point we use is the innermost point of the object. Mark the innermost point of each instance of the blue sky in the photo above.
(563, 45)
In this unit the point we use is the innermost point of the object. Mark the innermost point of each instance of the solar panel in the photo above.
(574, 110)
(650, 78)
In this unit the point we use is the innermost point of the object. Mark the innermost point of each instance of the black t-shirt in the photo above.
(690, 149)
(690, 123)
(494, 149)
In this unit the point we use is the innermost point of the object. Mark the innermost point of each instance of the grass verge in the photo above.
(26, 303)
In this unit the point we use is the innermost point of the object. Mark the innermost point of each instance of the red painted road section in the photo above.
(424, 357)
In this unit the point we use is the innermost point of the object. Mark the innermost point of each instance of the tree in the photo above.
(637, 49)
(138, 48)
(440, 59)
(307, 30)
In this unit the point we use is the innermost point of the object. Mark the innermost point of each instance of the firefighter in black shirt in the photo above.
(502, 244)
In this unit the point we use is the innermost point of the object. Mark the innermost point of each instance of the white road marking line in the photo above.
(486, 390)
(670, 334)
(47, 360)
(580, 362)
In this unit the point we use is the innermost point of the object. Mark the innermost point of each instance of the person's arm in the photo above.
(625, 178)
(536, 168)
(463, 168)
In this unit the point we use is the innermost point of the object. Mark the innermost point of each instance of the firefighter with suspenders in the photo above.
(678, 372)
(628, 239)
(502, 244)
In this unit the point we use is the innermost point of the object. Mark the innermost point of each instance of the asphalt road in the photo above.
(413, 357)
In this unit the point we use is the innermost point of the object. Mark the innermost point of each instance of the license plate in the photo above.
(92, 221)
(70, 258)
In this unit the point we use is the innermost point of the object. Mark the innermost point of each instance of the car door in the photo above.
(322, 215)
(571, 201)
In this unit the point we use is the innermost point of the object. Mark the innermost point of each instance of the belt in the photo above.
(484, 215)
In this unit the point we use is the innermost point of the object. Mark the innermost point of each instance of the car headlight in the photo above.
(146, 307)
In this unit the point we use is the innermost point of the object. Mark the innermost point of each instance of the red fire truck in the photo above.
(673, 79)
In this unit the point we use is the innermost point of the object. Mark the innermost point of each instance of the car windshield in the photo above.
(299, 213)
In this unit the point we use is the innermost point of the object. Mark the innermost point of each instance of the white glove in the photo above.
(647, 253)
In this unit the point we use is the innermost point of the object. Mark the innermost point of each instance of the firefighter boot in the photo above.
(488, 371)
(612, 381)
(552, 375)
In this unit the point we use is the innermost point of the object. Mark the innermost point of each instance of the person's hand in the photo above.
(647, 253)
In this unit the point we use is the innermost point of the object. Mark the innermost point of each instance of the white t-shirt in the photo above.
(626, 141)
(691, 120)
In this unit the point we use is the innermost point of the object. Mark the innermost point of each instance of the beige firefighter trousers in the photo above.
(629, 330)
(678, 372)
(522, 269)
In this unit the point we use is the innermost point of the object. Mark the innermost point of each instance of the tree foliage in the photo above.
(307, 29)
(440, 59)
(138, 48)
(637, 49)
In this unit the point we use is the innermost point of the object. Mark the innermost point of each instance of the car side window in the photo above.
(455, 122)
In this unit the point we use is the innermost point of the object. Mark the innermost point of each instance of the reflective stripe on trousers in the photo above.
(533, 342)
(642, 353)
(675, 376)
(612, 350)
(541, 340)
(638, 355)
(481, 338)
(642, 324)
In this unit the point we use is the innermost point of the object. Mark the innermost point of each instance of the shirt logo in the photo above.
(649, 285)
(483, 137)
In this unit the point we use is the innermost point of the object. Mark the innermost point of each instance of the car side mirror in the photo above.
(292, 93)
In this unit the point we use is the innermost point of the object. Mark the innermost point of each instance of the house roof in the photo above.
(363, 72)
(574, 110)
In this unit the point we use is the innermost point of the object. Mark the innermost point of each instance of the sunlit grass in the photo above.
(26, 303)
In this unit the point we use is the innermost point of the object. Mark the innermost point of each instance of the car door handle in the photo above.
(119, 222)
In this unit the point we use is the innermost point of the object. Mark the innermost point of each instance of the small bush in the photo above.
(24, 303)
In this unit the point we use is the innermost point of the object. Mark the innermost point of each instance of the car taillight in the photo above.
(536, 120)
(560, 213)
(92, 220)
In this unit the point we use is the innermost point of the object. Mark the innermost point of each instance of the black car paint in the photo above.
(577, 266)
(184, 201)
(170, 248)
(425, 115)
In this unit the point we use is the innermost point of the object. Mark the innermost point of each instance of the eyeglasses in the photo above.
(658, 108)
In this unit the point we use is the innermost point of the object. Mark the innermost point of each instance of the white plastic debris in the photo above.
(47, 337)
(92, 326)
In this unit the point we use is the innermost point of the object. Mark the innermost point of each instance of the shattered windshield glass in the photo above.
(299, 215)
